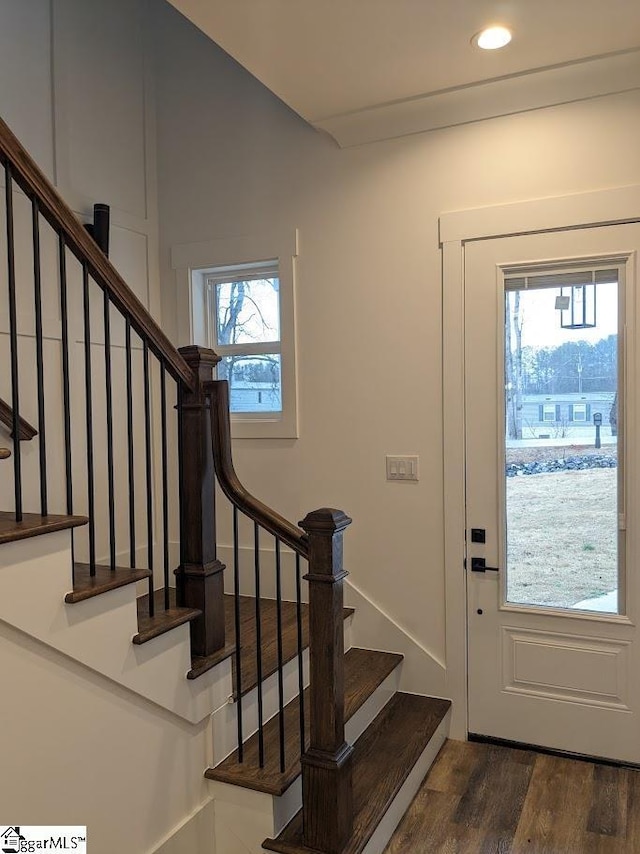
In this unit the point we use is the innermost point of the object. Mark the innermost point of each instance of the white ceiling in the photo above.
(336, 61)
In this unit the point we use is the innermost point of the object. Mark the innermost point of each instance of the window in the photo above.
(579, 411)
(549, 412)
(236, 296)
(243, 316)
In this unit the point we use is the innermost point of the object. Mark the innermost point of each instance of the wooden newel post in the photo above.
(199, 578)
(327, 796)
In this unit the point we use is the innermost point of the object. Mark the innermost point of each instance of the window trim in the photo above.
(192, 262)
(579, 409)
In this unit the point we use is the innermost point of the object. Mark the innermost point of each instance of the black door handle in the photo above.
(479, 564)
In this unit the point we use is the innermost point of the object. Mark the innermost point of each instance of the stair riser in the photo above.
(242, 819)
(224, 722)
(225, 727)
(98, 631)
(284, 807)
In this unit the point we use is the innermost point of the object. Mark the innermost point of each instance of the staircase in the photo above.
(313, 747)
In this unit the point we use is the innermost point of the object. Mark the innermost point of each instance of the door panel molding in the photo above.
(526, 653)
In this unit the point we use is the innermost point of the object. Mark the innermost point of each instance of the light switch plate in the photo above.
(402, 468)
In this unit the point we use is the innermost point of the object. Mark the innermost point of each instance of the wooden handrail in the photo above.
(290, 534)
(25, 431)
(62, 219)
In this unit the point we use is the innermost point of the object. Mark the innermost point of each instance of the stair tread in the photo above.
(85, 586)
(382, 760)
(33, 524)
(268, 621)
(164, 619)
(365, 670)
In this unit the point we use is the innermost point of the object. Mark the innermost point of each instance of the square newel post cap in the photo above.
(201, 360)
(326, 521)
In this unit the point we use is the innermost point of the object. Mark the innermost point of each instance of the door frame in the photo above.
(456, 229)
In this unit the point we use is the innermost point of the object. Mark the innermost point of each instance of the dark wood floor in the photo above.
(484, 799)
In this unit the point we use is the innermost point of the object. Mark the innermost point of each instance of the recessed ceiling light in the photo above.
(492, 38)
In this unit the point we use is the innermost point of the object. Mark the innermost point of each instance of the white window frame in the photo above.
(548, 409)
(194, 263)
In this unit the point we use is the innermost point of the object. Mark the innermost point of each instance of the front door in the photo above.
(552, 449)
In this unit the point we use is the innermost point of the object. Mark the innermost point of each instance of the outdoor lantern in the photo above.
(577, 306)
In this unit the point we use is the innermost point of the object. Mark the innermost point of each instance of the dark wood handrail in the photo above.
(290, 534)
(62, 219)
(25, 431)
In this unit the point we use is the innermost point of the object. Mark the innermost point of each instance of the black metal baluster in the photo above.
(130, 462)
(89, 419)
(236, 598)
(300, 663)
(13, 338)
(180, 453)
(37, 293)
(147, 432)
(165, 484)
(66, 393)
(109, 412)
(256, 547)
(280, 656)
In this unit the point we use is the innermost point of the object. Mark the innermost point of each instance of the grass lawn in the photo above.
(562, 536)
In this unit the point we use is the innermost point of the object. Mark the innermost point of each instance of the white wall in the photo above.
(75, 87)
(232, 159)
(76, 90)
(80, 750)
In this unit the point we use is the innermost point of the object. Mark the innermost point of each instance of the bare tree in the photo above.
(234, 324)
(514, 322)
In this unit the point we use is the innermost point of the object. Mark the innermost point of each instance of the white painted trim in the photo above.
(188, 259)
(518, 93)
(600, 207)
(453, 452)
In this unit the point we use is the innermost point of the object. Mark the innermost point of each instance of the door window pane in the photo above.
(561, 441)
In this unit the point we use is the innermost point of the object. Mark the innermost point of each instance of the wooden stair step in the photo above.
(33, 524)
(365, 670)
(164, 619)
(382, 760)
(85, 585)
(248, 642)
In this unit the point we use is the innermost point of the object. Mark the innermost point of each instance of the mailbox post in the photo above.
(597, 420)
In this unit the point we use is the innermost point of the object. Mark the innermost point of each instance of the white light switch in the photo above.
(402, 468)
